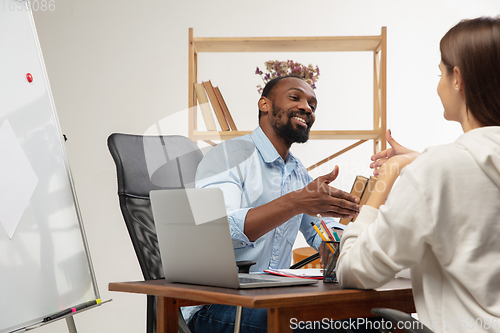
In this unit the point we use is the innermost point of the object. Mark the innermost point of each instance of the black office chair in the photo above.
(145, 163)
(407, 322)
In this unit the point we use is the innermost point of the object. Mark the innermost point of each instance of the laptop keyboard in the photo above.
(252, 280)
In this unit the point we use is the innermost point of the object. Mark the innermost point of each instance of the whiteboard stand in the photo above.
(71, 324)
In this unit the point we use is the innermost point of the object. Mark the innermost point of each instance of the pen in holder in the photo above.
(329, 251)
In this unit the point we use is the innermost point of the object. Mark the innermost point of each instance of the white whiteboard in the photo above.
(44, 265)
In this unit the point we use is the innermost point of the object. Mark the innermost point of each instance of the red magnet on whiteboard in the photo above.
(29, 77)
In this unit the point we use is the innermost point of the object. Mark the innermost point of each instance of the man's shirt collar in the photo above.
(266, 148)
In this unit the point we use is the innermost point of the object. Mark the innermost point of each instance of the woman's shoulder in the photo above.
(444, 151)
(441, 159)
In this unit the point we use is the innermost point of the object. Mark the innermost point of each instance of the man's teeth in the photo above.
(300, 119)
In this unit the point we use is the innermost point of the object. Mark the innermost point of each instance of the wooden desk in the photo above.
(313, 302)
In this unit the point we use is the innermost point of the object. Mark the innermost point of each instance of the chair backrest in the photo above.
(145, 163)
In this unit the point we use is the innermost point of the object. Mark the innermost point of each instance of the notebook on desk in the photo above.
(195, 242)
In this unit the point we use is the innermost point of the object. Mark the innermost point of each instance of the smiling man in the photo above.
(268, 193)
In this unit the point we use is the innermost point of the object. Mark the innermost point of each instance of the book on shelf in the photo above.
(216, 105)
(361, 188)
(206, 112)
(225, 109)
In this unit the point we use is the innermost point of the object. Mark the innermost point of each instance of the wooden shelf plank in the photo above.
(313, 135)
(331, 157)
(374, 43)
(287, 44)
(345, 135)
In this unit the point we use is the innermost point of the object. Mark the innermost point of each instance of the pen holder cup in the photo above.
(329, 254)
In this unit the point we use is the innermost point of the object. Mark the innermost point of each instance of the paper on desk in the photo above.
(405, 274)
(305, 273)
(17, 180)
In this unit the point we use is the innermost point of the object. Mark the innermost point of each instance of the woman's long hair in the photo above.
(474, 47)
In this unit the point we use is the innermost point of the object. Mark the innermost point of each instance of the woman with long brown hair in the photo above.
(442, 218)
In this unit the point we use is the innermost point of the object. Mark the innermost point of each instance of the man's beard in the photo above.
(287, 130)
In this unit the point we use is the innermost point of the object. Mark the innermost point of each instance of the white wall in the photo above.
(121, 66)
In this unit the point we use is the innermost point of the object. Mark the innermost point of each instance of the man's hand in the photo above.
(318, 197)
(396, 149)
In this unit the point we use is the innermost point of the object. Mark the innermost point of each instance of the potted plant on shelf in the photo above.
(278, 68)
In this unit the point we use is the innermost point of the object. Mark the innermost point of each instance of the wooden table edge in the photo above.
(214, 296)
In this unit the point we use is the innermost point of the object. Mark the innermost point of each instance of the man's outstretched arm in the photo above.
(318, 197)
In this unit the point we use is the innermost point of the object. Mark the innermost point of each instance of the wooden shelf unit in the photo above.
(376, 44)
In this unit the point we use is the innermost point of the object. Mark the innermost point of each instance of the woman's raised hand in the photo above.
(396, 149)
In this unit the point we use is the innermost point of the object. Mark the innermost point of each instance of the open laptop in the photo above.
(195, 242)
